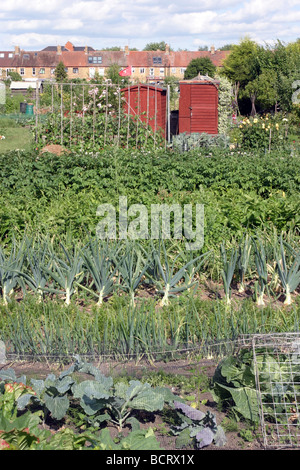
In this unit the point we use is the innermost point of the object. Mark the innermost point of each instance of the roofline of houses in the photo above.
(84, 59)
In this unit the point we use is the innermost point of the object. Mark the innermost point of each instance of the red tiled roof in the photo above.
(79, 58)
(73, 58)
(183, 58)
(145, 58)
(30, 59)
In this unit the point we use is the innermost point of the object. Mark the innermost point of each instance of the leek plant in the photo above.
(66, 272)
(289, 276)
(10, 266)
(34, 276)
(262, 271)
(170, 276)
(131, 268)
(227, 272)
(244, 251)
(98, 259)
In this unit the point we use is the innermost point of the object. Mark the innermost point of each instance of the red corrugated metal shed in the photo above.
(198, 106)
(148, 103)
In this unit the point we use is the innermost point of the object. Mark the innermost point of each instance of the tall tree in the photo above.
(241, 66)
(202, 65)
(60, 72)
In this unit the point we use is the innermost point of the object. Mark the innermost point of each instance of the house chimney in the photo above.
(69, 46)
(126, 50)
(59, 50)
(17, 50)
(167, 49)
(86, 50)
(212, 49)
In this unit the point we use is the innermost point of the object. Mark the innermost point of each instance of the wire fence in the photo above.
(103, 113)
(277, 372)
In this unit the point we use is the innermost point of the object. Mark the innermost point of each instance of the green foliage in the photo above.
(202, 66)
(289, 275)
(168, 277)
(115, 402)
(225, 104)
(155, 46)
(239, 66)
(264, 132)
(187, 142)
(15, 76)
(228, 269)
(136, 440)
(263, 73)
(99, 397)
(60, 72)
(234, 383)
(113, 75)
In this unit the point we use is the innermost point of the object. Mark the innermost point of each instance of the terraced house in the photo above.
(84, 62)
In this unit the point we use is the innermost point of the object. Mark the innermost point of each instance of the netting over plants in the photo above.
(277, 372)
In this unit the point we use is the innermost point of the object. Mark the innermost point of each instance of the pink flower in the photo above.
(4, 444)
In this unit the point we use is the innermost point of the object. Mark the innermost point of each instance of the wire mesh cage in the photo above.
(277, 373)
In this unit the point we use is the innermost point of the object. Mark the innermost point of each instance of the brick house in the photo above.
(84, 62)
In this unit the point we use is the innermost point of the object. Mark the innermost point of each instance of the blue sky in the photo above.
(184, 24)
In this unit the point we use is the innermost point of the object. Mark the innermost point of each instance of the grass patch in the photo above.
(16, 138)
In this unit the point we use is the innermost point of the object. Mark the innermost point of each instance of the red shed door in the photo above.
(204, 108)
(185, 109)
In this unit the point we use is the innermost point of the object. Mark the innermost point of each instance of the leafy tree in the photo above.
(155, 46)
(60, 72)
(202, 65)
(278, 66)
(241, 65)
(226, 47)
(14, 76)
(113, 48)
(268, 90)
(203, 48)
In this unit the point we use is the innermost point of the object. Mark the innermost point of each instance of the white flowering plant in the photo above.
(263, 132)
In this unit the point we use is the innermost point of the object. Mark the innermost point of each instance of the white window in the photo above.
(42, 70)
(95, 59)
(75, 70)
(2, 54)
(173, 69)
(132, 69)
(92, 72)
(142, 70)
(162, 71)
(10, 55)
(151, 72)
(52, 71)
(182, 70)
(33, 70)
(101, 71)
(22, 71)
